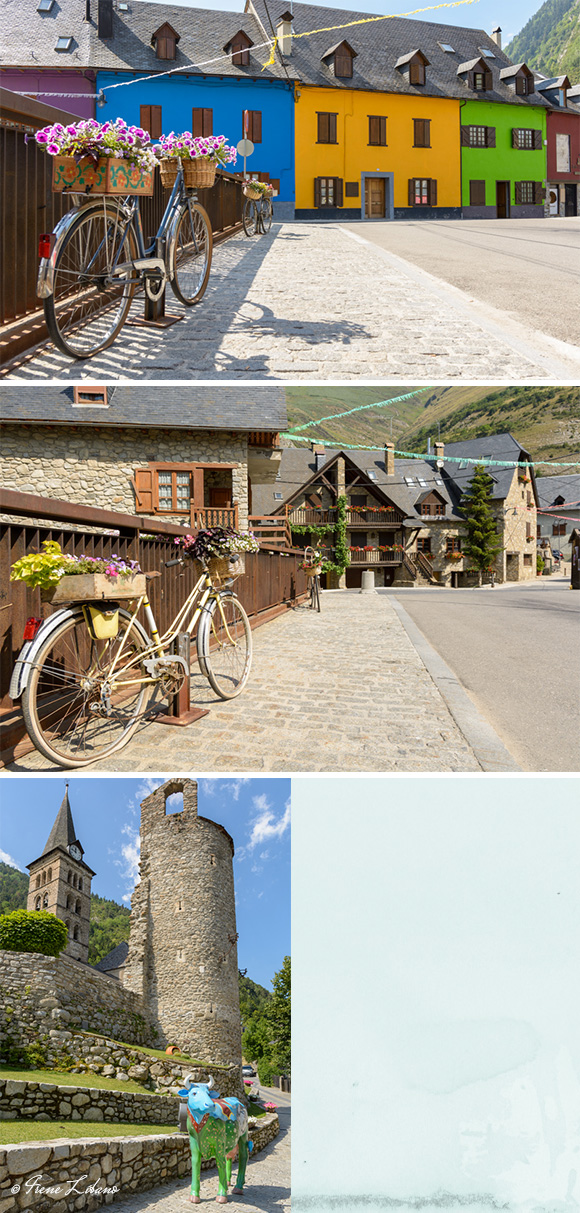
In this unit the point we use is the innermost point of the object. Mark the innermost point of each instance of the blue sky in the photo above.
(256, 812)
(481, 14)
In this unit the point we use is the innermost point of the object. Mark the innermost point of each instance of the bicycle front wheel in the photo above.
(250, 217)
(224, 645)
(76, 707)
(192, 252)
(93, 287)
(266, 215)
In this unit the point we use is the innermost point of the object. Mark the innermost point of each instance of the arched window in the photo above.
(38, 881)
(44, 877)
(69, 878)
(68, 900)
(37, 903)
(77, 906)
(76, 933)
(80, 884)
(49, 875)
(45, 901)
(74, 882)
(67, 924)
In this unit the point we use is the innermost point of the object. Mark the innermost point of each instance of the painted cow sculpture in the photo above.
(218, 1128)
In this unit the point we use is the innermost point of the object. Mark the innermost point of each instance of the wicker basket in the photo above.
(223, 568)
(252, 193)
(197, 174)
(314, 570)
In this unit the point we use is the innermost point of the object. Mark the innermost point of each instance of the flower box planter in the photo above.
(95, 587)
(109, 176)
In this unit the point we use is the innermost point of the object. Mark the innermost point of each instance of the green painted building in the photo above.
(504, 152)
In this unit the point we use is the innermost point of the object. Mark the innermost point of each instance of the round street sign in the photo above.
(245, 147)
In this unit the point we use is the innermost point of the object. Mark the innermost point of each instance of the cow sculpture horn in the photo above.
(211, 1083)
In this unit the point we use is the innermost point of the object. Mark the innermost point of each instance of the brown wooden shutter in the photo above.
(531, 85)
(432, 193)
(488, 82)
(538, 193)
(144, 484)
(490, 136)
(201, 122)
(537, 142)
(520, 86)
(374, 130)
(465, 136)
(471, 79)
(150, 120)
(323, 128)
(317, 191)
(427, 132)
(411, 191)
(518, 192)
(477, 193)
(332, 128)
(338, 191)
(351, 189)
(383, 131)
(416, 73)
(256, 126)
(145, 118)
(515, 137)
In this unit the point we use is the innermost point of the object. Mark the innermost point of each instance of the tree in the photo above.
(278, 1015)
(481, 543)
(39, 931)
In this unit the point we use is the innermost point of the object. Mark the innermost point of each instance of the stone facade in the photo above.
(43, 1101)
(182, 958)
(62, 886)
(101, 1171)
(44, 998)
(96, 466)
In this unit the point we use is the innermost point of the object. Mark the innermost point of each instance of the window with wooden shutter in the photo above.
(338, 191)
(326, 127)
(453, 543)
(343, 64)
(477, 193)
(377, 131)
(480, 82)
(144, 486)
(201, 122)
(526, 192)
(165, 40)
(538, 193)
(150, 120)
(328, 191)
(422, 132)
(254, 126)
(240, 50)
(490, 136)
(424, 544)
(432, 193)
(416, 72)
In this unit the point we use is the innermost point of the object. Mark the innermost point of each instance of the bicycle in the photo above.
(83, 697)
(257, 216)
(96, 257)
(312, 567)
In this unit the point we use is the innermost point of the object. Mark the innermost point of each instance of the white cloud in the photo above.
(6, 858)
(266, 825)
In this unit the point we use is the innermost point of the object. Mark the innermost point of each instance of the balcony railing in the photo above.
(312, 517)
(361, 516)
(374, 556)
(273, 530)
(214, 515)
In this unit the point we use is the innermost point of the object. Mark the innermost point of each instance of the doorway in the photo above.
(375, 195)
(570, 199)
(502, 199)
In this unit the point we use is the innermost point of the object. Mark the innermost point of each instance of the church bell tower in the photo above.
(60, 882)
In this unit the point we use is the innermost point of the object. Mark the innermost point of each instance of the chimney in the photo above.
(496, 35)
(319, 455)
(284, 34)
(439, 450)
(105, 21)
(390, 458)
(87, 10)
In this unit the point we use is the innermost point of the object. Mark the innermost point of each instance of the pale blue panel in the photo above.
(436, 994)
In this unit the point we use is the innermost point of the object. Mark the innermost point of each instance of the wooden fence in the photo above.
(272, 583)
(29, 208)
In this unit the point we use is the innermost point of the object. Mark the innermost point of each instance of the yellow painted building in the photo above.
(372, 154)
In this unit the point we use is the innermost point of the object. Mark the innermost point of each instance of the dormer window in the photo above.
(165, 41)
(477, 75)
(413, 67)
(340, 59)
(239, 48)
(519, 79)
(90, 397)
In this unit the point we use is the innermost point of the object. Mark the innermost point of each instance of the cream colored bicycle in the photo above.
(87, 676)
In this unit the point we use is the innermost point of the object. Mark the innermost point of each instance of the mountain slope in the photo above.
(550, 41)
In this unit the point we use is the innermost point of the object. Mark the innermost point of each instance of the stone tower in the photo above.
(60, 882)
(183, 957)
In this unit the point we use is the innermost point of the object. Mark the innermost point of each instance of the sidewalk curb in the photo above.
(489, 749)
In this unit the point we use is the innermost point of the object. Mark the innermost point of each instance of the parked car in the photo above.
(248, 1072)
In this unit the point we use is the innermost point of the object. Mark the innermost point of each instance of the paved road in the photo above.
(529, 268)
(316, 301)
(515, 650)
(341, 691)
(267, 1188)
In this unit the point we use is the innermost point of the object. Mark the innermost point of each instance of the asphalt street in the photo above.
(515, 650)
(529, 268)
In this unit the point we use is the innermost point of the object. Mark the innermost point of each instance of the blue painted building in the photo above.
(146, 41)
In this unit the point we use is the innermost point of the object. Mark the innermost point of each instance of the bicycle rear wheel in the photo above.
(64, 704)
(266, 214)
(224, 645)
(250, 217)
(192, 253)
(91, 297)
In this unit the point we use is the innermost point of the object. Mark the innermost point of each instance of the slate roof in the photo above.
(186, 406)
(379, 44)
(551, 487)
(63, 832)
(298, 465)
(114, 959)
(29, 37)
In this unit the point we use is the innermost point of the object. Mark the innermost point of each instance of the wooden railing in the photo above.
(306, 517)
(362, 516)
(374, 556)
(271, 529)
(423, 562)
(273, 580)
(214, 515)
(264, 439)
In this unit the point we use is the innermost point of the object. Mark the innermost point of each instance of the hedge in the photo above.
(22, 931)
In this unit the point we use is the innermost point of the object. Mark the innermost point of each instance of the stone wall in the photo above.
(88, 1173)
(93, 466)
(42, 1101)
(182, 953)
(42, 998)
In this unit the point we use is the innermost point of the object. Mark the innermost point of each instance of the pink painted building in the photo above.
(43, 84)
(46, 51)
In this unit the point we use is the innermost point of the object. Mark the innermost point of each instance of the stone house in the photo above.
(403, 516)
(188, 454)
(558, 512)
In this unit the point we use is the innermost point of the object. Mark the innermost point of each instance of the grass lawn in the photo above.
(160, 1053)
(62, 1079)
(14, 1131)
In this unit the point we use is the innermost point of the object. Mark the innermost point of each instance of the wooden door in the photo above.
(569, 199)
(502, 199)
(220, 498)
(375, 198)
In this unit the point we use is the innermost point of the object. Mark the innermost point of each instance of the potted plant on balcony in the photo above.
(199, 156)
(91, 157)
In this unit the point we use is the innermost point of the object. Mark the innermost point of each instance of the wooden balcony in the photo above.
(264, 438)
(364, 517)
(274, 530)
(311, 517)
(376, 557)
(213, 515)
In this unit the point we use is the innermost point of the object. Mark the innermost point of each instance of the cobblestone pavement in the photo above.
(308, 301)
(341, 691)
(267, 1188)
